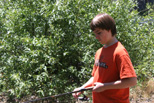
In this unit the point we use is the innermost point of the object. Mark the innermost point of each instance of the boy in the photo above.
(113, 72)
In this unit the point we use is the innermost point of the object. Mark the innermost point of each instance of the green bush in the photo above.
(48, 48)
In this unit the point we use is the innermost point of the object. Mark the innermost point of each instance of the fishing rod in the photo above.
(49, 97)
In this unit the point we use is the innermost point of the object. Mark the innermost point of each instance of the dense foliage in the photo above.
(47, 47)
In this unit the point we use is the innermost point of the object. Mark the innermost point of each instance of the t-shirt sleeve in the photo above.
(125, 67)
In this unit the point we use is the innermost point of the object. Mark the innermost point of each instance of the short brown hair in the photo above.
(103, 21)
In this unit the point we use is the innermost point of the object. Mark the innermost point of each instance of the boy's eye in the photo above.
(99, 33)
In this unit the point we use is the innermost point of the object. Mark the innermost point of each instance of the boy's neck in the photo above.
(111, 42)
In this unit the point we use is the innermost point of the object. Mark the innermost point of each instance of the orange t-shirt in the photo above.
(111, 64)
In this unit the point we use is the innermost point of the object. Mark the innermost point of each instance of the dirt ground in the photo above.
(144, 100)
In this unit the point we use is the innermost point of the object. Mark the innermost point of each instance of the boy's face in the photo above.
(103, 36)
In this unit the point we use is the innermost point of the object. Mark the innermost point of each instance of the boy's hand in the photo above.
(99, 87)
(75, 95)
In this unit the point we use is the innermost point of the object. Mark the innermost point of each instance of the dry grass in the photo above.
(150, 86)
(144, 93)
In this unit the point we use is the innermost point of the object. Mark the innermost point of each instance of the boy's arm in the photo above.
(119, 84)
(87, 84)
